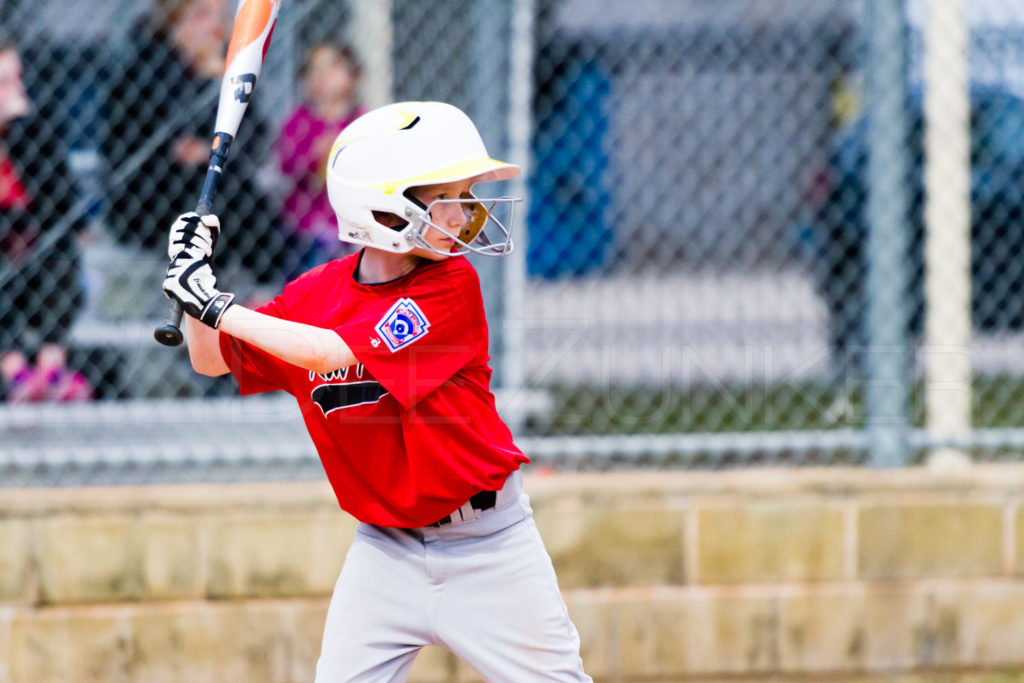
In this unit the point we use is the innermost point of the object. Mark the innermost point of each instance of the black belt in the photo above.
(484, 500)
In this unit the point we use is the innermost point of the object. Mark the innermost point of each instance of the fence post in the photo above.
(947, 228)
(372, 35)
(489, 50)
(888, 385)
(520, 123)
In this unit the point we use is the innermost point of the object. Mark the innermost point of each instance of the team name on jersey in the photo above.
(334, 375)
(339, 393)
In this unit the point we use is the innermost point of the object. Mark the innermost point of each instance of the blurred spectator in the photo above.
(49, 379)
(839, 258)
(164, 93)
(331, 79)
(40, 284)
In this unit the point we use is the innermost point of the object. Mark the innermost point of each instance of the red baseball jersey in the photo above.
(411, 432)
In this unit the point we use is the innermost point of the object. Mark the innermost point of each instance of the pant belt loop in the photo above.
(510, 491)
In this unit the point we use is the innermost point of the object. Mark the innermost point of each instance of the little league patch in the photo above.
(403, 324)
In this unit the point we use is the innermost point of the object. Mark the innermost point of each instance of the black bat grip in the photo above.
(169, 334)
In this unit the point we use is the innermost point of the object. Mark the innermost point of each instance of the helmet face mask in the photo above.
(385, 153)
(486, 231)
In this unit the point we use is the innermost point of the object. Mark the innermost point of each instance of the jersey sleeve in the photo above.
(255, 370)
(416, 341)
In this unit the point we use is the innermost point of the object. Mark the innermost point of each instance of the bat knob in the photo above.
(168, 335)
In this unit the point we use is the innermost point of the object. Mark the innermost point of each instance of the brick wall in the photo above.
(669, 576)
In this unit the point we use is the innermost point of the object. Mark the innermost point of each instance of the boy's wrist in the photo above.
(213, 311)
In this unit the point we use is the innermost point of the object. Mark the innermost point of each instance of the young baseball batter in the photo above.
(386, 354)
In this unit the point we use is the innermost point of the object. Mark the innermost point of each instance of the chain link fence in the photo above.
(758, 231)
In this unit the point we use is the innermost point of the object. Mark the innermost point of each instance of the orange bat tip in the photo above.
(251, 21)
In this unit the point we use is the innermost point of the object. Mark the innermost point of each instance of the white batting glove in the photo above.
(192, 236)
(190, 281)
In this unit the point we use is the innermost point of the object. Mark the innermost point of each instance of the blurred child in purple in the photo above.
(331, 80)
(50, 379)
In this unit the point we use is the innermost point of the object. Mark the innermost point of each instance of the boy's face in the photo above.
(449, 217)
(199, 31)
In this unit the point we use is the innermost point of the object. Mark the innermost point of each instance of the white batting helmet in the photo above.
(377, 158)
